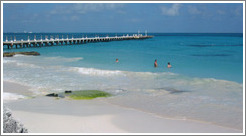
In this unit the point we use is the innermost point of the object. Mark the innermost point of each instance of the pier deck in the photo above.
(54, 42)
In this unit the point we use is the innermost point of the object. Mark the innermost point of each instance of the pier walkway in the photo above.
(55, 42)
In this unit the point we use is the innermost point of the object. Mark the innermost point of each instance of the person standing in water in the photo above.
(169, 65)
(155, 64)
(117, 60)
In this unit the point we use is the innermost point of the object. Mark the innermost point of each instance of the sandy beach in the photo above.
(144, 68)
(51, 115)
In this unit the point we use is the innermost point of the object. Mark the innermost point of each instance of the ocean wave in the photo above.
(63, 59)
(103, 72)
(12, 96)
(21, 64)
(165, 77)
(95, 72)
(213, 81)
(27, 65)
(8, 61)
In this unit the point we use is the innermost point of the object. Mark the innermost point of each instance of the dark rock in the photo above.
(11, 54)
(68, 91)
(33, 53)
(8, 54)
(52, 95)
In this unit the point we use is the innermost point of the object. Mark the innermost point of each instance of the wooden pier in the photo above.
(56, 41)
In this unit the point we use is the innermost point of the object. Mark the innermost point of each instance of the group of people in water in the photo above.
(155, 64)
(168, 64)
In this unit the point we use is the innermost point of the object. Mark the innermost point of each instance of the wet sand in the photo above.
(51, 115)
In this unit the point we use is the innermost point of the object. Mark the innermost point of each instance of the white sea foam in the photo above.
(19, 55)
(27, 65)
(11, 96)
(96, 72)
(8, 61)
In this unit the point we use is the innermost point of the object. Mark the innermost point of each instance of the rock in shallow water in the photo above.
(68, 91)
(11, 54)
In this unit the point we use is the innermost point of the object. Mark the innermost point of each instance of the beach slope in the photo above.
(52, 115)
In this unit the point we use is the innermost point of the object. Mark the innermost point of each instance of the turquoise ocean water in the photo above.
(205, 82)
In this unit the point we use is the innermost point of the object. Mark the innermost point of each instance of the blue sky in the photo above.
(123, 17)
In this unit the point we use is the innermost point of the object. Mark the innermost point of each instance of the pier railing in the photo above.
(66, 41)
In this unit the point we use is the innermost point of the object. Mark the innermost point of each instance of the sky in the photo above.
(123, 17)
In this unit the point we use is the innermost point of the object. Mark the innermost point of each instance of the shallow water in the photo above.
(204, 83)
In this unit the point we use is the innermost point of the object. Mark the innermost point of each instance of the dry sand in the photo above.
(50, 115)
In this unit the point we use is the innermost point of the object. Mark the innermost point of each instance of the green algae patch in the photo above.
(87, 94)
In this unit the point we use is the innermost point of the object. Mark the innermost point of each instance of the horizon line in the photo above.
(131, 32)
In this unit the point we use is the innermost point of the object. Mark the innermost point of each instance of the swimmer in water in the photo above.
(155, 64)
(169, 65)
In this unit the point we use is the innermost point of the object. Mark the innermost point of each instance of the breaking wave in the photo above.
(11, 96)
(96, 72)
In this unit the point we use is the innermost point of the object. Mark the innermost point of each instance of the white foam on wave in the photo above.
(19, 63)
(27, 65)
(215, 84)
(8, 61)
(96, 72)
(12, 96)
(147, 74)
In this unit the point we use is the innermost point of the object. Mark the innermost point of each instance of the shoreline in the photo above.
(177, 119)
(12, 87)
(51, 115)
